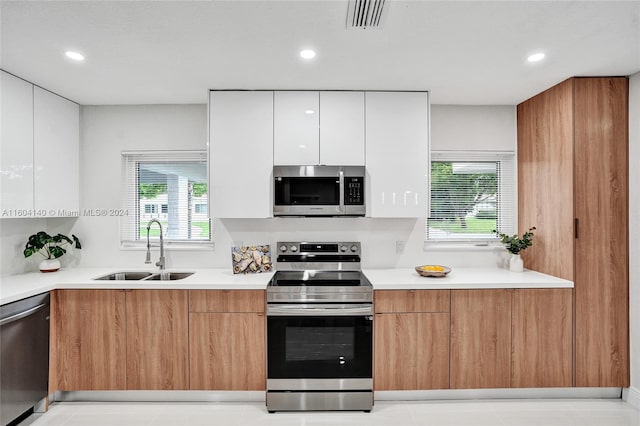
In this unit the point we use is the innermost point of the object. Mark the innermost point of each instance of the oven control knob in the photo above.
(343, 248)
(354, 248)
(283, 248)
(294, 248)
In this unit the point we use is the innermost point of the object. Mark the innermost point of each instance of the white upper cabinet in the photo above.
(240, 153)
(397, 154)
(56, 154)
(313, 128)
(342, 128)
(16, 147)
(296, 128)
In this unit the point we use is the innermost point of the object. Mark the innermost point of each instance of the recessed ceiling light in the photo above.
(307, 54)
(535, 57)
(302, 146)
(74, 55)
(309, 111)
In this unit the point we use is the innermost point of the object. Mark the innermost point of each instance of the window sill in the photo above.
(462, 245)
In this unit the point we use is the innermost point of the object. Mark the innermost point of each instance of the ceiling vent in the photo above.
(365, 14)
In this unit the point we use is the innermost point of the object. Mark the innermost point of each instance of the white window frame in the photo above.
(507, 195)
(129, 203)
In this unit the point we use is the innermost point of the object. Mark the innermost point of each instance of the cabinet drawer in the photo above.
(226, 300)
(412, 301)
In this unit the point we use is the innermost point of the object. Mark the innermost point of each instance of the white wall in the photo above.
(459, 127)
(634, 230)
(107, 130)
(13, 237)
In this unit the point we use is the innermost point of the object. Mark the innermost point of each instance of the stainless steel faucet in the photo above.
(161, 262)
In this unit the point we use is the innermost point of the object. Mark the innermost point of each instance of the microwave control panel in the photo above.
(354, 190)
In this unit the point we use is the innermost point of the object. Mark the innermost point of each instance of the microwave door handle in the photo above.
(341, 191)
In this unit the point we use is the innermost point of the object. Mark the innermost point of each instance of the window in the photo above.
(472, 193)
(167, 186)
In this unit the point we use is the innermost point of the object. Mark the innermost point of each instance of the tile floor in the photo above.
(514, 412)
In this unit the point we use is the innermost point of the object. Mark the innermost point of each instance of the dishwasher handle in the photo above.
(23, 314)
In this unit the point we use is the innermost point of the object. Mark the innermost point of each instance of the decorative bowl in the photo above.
(433, 270)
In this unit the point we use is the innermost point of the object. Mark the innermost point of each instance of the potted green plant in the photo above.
(515, 244)
(50, 247)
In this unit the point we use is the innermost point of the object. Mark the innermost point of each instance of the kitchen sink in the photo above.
(125, 276)
(169, 276)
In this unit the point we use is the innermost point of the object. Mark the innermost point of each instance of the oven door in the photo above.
(325, 346)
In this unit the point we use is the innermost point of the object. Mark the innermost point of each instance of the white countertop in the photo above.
(16, 287)
(462, 278)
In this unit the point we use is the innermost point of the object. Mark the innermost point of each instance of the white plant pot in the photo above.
(49, 265)
(515, 263)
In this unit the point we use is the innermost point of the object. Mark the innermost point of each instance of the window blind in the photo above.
(165, 185)
(471, 194)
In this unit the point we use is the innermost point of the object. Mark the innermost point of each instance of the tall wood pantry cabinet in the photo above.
(572, 185)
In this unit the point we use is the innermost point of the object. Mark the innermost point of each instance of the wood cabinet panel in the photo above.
(480, 338)
(601, 200)
(584, 120)
(88, 343)
(412, 300)
(411, 351)
(542, 344)
(157, 339)
(227, 351)
(545, 160)
(226, 301)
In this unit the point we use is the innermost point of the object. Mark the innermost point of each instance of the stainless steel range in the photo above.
(319, 329)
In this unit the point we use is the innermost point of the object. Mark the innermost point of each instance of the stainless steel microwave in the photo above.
(318, 191)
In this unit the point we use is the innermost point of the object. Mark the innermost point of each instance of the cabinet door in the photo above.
(157, 340)
(411, 351)
(241, 154)
(16, 146)
(56, 139)
(480, 339)
(601, 205)
(88, 340)
(397, 157)
(342, 128)
(227, 351)
(296, 128)
(545, 160)
(542, 338)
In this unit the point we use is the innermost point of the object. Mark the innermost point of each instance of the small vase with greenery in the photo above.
(50, 247)
(515, 244)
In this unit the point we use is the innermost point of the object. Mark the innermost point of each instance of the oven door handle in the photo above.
(318, 311)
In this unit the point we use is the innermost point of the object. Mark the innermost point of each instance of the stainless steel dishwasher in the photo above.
(24, 355)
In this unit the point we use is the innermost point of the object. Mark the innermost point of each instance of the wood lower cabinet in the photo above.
(411, 339)
(480, 339)
(119, 339)
(227, 340)
(518, 338)
(88, 340)
(157, 340)
(542, 322)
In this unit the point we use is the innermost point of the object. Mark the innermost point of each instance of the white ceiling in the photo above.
(464, 52)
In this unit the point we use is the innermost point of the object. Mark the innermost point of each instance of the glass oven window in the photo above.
(319, 343)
